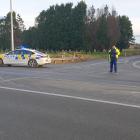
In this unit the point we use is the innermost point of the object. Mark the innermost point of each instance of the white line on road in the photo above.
(72, 97)
(135, 64)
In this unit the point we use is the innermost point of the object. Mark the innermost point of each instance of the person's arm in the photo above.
(109, 53)
(118, 51)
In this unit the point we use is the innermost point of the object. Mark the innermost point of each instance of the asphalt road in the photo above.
(80, 101)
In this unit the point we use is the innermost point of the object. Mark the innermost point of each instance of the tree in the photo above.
(5, 31)
(91, 15)
(91, 29)
(126, 32)
(113, 30)
(102, 34)
(54, 27)
(61, 27)
(20, 23)
(78, 29)
(64, 27)
(4, 35)
(103, 31)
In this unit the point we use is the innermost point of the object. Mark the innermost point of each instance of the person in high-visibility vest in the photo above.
(113, 56)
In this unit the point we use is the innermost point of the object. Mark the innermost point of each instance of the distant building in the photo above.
(134, 46)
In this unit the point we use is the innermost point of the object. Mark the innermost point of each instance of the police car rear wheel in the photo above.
(1, 62)
(32, 63)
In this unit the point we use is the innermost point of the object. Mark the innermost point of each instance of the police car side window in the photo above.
(28, 52)
(17, 52)
(11, 53)
(22, 52)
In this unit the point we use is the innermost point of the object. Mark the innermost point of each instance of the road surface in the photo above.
(80, 101)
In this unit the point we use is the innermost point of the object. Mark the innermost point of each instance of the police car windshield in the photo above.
(40, 53)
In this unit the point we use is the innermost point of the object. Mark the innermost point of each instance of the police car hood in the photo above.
(39, 54)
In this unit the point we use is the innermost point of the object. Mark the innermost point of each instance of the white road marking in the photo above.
(72, 97)
(135, 64)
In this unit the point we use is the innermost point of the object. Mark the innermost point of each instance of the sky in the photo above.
(30, 9)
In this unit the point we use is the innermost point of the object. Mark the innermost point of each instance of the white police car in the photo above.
(25, 57)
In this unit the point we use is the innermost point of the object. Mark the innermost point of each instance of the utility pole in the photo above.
(12, 32)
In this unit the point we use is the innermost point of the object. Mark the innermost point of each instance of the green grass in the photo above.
(130, 52)
(92, 55)
(73, 54)
(81, 54)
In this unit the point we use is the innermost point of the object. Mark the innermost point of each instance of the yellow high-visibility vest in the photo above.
(117, 53)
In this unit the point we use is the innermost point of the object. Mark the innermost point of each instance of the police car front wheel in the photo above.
(32, 63)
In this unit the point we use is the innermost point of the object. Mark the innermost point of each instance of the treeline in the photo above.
(5, 31)
(65, 27)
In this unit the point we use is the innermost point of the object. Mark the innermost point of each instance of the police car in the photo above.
(25, 57)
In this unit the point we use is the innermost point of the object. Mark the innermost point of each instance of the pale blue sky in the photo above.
(29, 9)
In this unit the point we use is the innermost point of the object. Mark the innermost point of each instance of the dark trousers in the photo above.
(113, 63)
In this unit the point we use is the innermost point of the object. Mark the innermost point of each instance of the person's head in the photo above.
(113, 43)
(113, 47)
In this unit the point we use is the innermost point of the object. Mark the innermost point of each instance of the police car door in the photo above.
(25, 55)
